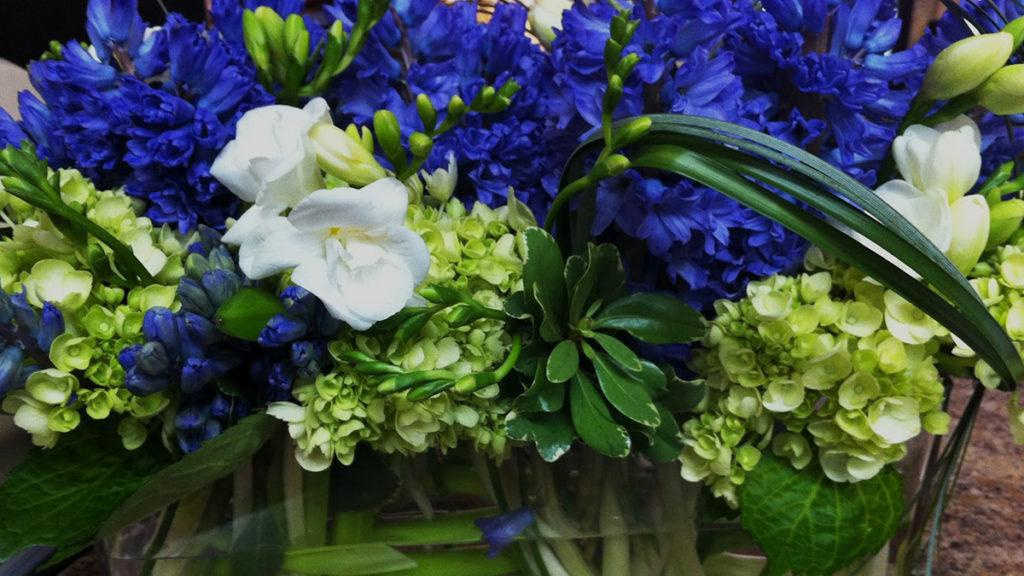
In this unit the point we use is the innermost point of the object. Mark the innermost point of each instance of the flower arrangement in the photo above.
(574, 288)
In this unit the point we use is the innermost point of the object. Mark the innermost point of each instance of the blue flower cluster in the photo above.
(428, 47)
(25, 338)
(145, 108)
(184, 350)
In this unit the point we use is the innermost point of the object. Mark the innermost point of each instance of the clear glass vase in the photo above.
(432, 515)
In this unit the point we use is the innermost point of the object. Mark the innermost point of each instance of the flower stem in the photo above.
(680, 498)
(568, 193)
(616, 552)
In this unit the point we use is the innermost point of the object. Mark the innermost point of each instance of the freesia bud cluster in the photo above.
(335, 412)
(809, 360)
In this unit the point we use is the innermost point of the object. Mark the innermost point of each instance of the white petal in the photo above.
(411, 249)
(928, 211)
(255, 218)
(953, 164)
(964, 125)
(911, 150)
(970, 222)
(318, 111)
(276, 247)
(316, 460)
(288, 178)
(232, 170)
(313, 276)
(287, 411)
(382, 204)
(377, 292)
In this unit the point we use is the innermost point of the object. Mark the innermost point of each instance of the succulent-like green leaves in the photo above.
(580, 303)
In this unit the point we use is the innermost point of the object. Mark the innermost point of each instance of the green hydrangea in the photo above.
(102, 317)
(473, 251)
(812, 355)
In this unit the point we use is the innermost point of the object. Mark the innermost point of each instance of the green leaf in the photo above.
(653, 318)
(812, 526)
(259, 547)
(625, 392)
(653, 378)
(469, 562)
(516, 306)
(443, 529)
(684, 395)
(246, 313)
(665, 442)
(619, 352)
(563, 362)
(551, 432)
(544, 283)
(520, 217)
(543, 395)
(604, 279)
(60, 497)
(593, 421)
(347, 560)
(413, 325)
(216, 459)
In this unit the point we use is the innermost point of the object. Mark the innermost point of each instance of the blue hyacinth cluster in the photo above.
(428, 47)
(25, 338)
(184, 351)
(145, 108)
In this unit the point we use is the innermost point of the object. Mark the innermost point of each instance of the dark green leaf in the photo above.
(563, 361)
(812, 526)
(684, 395)
(216, 459)
(516, 306)
(542, 395)
(575, 267)
(413, 326)
(653, 378)
(520, 217)
(625, 392)
(543, 279)
(245, 314)
(532, 354)
(551, 432)
(593, 421)
(653, 318)
(60, 497)
(604, 279)
(664, 443)
(619, 352)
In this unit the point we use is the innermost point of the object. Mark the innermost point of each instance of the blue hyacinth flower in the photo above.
(500, 531)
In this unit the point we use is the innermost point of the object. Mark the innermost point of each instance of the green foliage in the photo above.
(614, 397)
(286, 63)
(28, 177)
(811, 526)
(247, 312)
(60, 497)
(216, 459)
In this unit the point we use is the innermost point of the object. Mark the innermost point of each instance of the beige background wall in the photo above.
(13, 443)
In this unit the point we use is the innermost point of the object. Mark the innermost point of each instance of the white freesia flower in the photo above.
(545, 16)
(946, 157)
(271, 163)
(348, 247)
(939, 166)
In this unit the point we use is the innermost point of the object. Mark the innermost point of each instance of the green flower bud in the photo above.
(892, 356)
(857, 390)
(427, 112)
(133, 433)
(965, 64)
(859, 319)
(1003, 92)
(793, 447)
(783, 396)
(108, 295)
(1011, 271)
(1014, 322)
(420, 144)
(748, 457)
(770, 304)
(743, 402)
(854, 423)
(63, 420)
(1016, 29)
(99, 403)
(69, 353)
(456, 108)
(51, 386)
(895, 419)
(936, 423)
(152, 296)
(99, 323)
(148, 406)
(57, 282)
(611, 166)
(1006, 217)
(344, 157)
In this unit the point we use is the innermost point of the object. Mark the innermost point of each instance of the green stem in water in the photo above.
(616, 549)
(680, 498)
